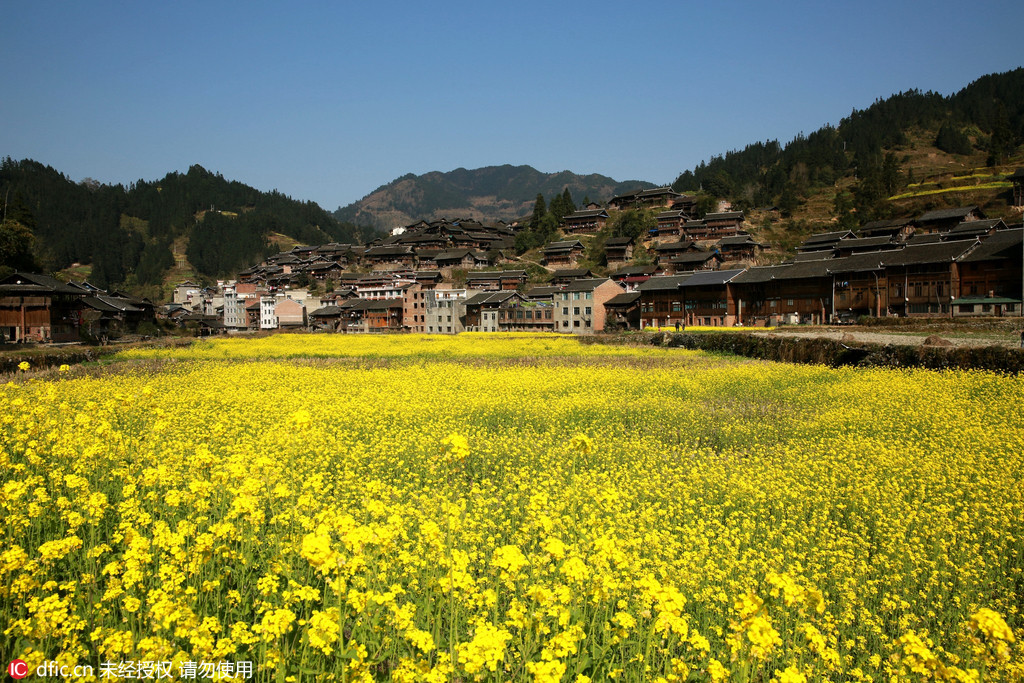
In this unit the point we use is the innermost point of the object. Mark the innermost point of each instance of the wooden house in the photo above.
(661, 301)
(585, 222)
(691, 261)
(723, 224)
(1018, 186)
(623, 312)
(740, 248)
(618, 251)
(39, 308)
(564, 253)
(669, 226)
(564, 277)
(992, 270)
(496, 280)
(630, 277)
(942, 220)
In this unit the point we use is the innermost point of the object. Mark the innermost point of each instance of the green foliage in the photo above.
(220, 245)
(843, 207)
(16, 246)
(994, 104)
(952, 140)
(633, 223)
(1002, 141)
(126, 231)
(539, 209)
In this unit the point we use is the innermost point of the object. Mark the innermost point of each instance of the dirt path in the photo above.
(860, 335)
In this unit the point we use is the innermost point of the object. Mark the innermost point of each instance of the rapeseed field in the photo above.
(510, 508)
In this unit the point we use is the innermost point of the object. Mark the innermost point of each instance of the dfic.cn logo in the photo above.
(17, 669)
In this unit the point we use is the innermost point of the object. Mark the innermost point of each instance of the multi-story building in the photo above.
(579, 308)
(445, 310)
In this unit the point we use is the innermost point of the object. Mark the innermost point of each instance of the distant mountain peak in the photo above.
(490, 193)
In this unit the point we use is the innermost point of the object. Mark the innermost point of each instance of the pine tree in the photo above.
(539, 209)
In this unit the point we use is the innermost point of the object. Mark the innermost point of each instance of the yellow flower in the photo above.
(24, 366)
(485, 650)
(510, 559)
(792, 674)
(323, 629)
(275, 624)
(992, 625)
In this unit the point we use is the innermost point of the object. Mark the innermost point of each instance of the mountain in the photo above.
(872, 164)
(132, 236)
(484, 194)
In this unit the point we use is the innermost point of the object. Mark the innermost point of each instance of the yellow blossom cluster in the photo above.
(514, 508)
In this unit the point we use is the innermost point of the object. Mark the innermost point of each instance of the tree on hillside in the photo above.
(633, 223)
(1001, 143)
(562, 205)
(952, 140)
(539, 209)
(16, 247)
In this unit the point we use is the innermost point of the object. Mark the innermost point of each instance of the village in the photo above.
(447, 277)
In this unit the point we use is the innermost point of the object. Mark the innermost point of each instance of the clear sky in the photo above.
(326, 101)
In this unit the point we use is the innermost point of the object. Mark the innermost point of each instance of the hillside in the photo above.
(195, 223)
(912, 152)
(484, 194)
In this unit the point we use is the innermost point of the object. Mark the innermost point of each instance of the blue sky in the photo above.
(326, 101)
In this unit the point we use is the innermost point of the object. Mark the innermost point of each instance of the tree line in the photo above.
(770, 174)
(127, 232)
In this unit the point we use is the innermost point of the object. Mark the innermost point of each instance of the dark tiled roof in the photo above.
(939, 252)
(827, 237)
(489, 298)
(389, 251)
(618, 242)
(542, 292)
(587, 213)
(1003, 244)
(977, 227)
(326, 312)
(574, 273)
(738, 241)
(703, 278)
(696, 257)
(624, 299)
(588, 285)
(663, 282)
(946, 214)
(38, 283)
(635, 270)
(724, 216)
(867, 242)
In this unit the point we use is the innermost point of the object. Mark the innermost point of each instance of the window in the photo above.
(565, 310)
(575, 310)
(575, 323)
(587, 310)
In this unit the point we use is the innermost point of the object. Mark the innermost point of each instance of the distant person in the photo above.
(677, 329)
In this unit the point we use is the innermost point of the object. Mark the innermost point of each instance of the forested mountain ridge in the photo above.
(128, 234)
(486, 194)
(867, 158)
